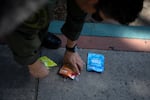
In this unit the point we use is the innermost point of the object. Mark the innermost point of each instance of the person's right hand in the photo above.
(74, 60)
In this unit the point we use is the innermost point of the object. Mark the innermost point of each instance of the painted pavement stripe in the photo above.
(111, 43)
(106, 30)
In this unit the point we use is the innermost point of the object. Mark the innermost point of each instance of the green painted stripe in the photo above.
(106, 30)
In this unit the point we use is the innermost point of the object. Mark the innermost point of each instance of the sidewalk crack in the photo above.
(36, 89)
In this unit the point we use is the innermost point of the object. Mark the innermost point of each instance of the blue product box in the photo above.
(95, 62)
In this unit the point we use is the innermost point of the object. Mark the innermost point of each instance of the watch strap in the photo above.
(73, 49)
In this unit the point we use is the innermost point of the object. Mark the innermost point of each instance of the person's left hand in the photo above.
(74, 60)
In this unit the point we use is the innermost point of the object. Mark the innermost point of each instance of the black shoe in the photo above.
(51, 41)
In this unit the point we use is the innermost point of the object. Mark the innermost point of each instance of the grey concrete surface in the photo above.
(126, 77)
(15, 81)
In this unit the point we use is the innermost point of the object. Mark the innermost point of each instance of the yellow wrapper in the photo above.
(47, 62)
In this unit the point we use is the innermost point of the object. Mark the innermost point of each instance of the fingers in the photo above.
(79, 66)
(77, 69)
(74, 60)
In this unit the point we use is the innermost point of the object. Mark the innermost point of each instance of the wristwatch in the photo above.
(73, 49)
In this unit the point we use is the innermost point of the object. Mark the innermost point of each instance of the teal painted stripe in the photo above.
(101, 29)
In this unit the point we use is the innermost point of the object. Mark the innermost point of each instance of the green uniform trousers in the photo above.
(26, 40)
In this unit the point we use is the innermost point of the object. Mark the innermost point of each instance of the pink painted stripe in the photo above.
(108, 43)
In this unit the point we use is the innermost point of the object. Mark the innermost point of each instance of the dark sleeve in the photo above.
(74, 21)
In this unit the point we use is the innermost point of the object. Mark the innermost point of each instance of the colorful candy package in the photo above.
(95, 62)
(47, 62)
(67, 72)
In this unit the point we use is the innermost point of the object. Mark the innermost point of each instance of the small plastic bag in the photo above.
(47, 62)
(95, 62)
(67, 72)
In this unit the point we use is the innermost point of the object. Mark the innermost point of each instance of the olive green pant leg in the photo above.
(26, 49)
(25, 42)
(74, 21)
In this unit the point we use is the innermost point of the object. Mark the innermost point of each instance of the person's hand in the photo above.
(74, 60)
(38, 70)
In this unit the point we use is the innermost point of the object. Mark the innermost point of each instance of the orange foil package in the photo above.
(67, 72)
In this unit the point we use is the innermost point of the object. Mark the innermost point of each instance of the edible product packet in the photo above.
(67, 72)
(47, 62)
(95, 62)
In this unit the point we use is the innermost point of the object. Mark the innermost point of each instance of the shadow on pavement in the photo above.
(12, 75)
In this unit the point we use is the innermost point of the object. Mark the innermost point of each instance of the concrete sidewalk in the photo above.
(126, 77)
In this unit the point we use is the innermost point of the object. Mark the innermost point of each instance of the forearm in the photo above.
(72, 29)
(71, 43)
(72, 58)
(74, 21)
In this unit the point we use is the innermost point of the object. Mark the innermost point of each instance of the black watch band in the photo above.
(73, 49)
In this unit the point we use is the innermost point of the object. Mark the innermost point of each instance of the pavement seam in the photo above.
(36, 89)
(37, 84)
